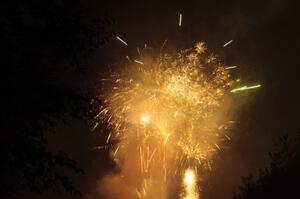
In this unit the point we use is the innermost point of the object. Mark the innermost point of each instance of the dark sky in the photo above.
(265, 49)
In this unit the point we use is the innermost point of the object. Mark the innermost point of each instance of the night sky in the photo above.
(265, 48)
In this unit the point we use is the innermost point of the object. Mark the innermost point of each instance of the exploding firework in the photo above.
(167, 115)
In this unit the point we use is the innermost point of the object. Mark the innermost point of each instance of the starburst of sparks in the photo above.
(165, 111)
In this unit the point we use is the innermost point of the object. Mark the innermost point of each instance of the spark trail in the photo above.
(121, 40)
(180, 20)
(227, 43)
(245, 88)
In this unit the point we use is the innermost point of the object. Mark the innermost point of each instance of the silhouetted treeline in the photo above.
(281, 178)
(41, 42)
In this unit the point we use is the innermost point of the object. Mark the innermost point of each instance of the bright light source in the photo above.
(190, 185)
(145, 119)
(189, 178)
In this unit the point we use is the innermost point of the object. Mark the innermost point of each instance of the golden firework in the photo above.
(165, 112)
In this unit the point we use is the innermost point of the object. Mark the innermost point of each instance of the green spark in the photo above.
(244, 88)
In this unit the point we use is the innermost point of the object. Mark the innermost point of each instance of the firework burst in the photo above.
(166, 115)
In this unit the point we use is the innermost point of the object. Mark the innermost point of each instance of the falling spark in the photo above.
(180, 19)
(152, 155)
(163, 45)
(218, 147)
(244, 88)
(175, 114)
(230, 67)
(166, 140)
(227, 43)
(138, 193)
(138, 50)
(96, 147)
(139, 62)
(108, 137)
(228, 138)
(121, 40)
(95, 126)
(116, 151)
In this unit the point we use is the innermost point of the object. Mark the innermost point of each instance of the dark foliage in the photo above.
(41, 42)
(281, 179)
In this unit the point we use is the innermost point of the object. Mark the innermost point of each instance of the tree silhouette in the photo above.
(281, 179)
(41, 42)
